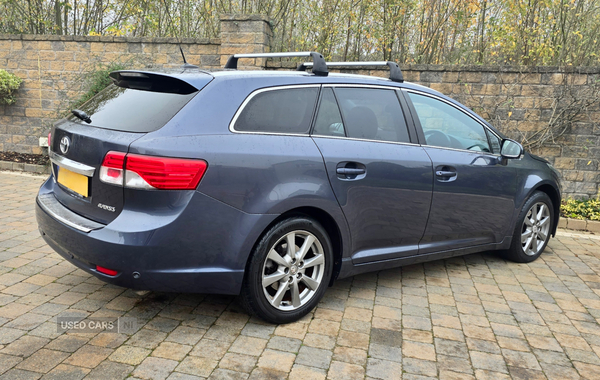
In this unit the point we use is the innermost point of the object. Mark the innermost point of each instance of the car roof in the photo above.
(197, 77)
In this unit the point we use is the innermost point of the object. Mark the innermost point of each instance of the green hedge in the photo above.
(97, 80)
(9, 83)
(585, 209)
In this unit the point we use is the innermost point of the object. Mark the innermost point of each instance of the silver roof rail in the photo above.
(395, 72)
(318, 64)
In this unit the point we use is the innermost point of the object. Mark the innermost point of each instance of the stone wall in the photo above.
(520, 101)
(54, 69)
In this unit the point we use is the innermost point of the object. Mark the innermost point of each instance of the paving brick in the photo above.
(8, 361)
(276, 360)
(129, 355)
(173, 351)
(418, 350)
(381, 369)
(238, 362)
(350, 355)
(248, 345)
(314, 357)
(155, 368)
(197, 366)
(300, 372)
(89, 356)
(24, 346)
(108, 370)
(43, 360)
(210, 348)
(66, 372)
(354, 340)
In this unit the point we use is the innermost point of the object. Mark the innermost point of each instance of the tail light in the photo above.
(112, 170)
(50, 140)
(149, 172)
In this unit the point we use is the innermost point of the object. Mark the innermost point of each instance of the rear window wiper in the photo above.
(82, 115)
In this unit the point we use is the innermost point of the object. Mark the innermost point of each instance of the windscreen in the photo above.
(130, 110)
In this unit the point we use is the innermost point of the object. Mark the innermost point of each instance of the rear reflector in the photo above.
(150, 172)
(107, 271)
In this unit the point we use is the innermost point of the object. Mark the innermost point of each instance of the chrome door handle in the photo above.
(350, 171)
(443, 173)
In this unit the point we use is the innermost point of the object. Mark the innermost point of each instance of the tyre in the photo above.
(533, 228)
(288, 272)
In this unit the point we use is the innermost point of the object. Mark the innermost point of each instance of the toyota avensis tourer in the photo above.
(272, 184)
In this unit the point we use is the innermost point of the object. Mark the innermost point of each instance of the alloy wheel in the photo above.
(293, 270)
(536, 229)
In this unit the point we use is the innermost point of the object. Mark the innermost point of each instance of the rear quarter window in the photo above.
(131, 110)
(286, 110)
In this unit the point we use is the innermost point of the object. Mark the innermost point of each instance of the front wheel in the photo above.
(533, 229)
(289, 271)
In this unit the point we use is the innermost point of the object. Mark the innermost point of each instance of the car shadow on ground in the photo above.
(387, 284)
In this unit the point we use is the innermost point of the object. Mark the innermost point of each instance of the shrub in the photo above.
(97, 80)
(9, 83)
(584, 209)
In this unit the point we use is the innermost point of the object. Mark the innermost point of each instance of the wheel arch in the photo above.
(554, 195)
(329, 224)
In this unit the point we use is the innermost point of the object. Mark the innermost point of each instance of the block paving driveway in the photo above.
(470, 317)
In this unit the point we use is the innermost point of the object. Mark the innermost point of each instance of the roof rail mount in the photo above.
(319, 67)
(395, 72)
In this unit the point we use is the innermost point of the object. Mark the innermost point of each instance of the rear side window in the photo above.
(129, 110)
(372, 114)
(286, 110)
(329, 119)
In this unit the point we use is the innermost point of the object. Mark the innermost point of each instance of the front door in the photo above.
(473, 187)
(382, 181)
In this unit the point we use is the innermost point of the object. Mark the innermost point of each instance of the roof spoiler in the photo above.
(146, 81)
(319, 67)
(395, 72)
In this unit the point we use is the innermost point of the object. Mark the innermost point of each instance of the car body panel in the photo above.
(183, 247)
(88, 145)
(475, 207)
(397, 183)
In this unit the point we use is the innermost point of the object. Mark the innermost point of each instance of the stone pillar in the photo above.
(245, 34)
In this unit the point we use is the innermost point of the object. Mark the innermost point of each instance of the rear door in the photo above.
(474, 188)
(382, 181)
(117, 117)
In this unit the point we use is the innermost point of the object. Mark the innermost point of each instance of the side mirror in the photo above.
(511, 149)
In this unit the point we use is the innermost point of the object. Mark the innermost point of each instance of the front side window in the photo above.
(446, 126)
(495, 142)
(286, 110)
(372, 114)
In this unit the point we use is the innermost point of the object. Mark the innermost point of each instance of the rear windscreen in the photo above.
(129, 110)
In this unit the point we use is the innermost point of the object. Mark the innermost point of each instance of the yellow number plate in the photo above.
(74, 181)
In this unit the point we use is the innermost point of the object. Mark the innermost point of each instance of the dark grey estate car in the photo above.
(273, 184)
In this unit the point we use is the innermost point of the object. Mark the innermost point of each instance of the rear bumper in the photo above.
(201, 249)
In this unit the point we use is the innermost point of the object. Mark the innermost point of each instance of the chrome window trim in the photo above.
(374, 86)
(480, 152)
(260, 91)
(460, 110)
(366, 140)
(71, 165)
